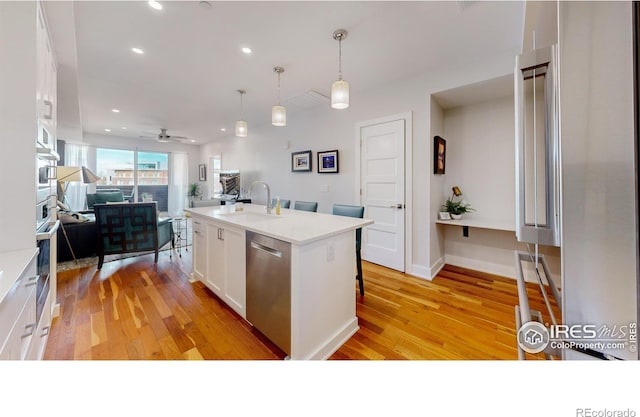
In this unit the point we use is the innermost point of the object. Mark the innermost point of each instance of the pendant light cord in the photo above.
(340, 58)
(241, 107)
(279, 87)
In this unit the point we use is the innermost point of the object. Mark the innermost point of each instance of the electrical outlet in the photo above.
(331, 252)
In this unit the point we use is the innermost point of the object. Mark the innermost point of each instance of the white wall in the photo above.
(437, 249)
(599, 228)
(481, 158)
(263, 157)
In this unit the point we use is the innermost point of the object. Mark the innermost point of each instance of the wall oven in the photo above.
(44, 234)
(46, 223)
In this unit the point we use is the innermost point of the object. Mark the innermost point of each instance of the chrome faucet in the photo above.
(268, 193)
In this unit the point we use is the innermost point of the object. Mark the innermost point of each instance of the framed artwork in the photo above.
(202, 170)
(328, 161)
(439, 154)
(301, 161)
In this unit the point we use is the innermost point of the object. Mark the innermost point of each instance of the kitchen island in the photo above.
(317, 303)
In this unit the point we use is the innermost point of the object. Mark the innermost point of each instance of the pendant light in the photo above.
(241, 125)
(340, 88)
(278, 112)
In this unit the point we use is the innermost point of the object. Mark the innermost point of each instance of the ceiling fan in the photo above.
(165, 138)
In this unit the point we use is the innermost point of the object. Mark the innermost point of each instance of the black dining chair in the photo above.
(306, 206)
(354, 211)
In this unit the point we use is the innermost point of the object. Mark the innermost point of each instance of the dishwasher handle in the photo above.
(266, 249)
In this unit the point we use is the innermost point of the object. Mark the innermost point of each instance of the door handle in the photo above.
(397, 206)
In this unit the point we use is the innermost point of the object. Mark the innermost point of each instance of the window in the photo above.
(136, 173)
(216, 165)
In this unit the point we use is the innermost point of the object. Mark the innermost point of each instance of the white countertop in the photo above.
(295, 226)
(12, 264)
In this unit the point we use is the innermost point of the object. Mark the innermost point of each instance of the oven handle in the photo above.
(50, 233)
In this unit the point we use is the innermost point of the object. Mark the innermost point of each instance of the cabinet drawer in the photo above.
(14, 302)
(17, 343)
(41, 335)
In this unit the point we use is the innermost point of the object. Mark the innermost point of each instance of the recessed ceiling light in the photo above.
(137, 51)
(107, 130)
(155, 5)
(246, 50)
(115, 110)
(124, 128)
(193, 140)
(223, 129)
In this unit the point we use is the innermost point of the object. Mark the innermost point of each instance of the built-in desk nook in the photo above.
(477, 122)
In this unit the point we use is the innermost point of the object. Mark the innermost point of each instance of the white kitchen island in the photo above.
(322, 262)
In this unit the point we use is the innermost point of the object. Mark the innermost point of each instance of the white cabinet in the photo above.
(46, 83)
(18, 315)
(215, 259)
(235, 269)
(199, 249)
(219, 261)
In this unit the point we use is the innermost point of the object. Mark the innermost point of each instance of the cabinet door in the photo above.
(199, 250)
(215, 259)
(235, 269)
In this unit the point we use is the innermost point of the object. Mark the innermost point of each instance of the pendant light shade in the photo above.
(340, 95)
(278, 112)
(241, 129)
(241, 125)
(278, 116)
(340, 88)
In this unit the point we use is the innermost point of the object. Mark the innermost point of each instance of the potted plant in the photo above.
(456, 208)
(193, 192)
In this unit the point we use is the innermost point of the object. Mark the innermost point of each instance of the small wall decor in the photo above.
(202, 170)
(439, 153)
(301, 161)
(328, 161)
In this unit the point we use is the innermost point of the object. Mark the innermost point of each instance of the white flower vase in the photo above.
(456, 216)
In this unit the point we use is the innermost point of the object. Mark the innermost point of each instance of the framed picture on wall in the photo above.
(328, 162)
(301, 161)
(439, 154)
(202, 171)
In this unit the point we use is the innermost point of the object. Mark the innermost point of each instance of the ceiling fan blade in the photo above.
(178, 137)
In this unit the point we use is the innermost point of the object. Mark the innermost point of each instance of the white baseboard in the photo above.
(420, 271)
(507, 271)
(436, 267)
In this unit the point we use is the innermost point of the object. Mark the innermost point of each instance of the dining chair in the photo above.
(283, 203)
(353, 211)
(306, 206)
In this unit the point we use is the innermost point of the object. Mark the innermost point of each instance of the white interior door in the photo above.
(382, 192)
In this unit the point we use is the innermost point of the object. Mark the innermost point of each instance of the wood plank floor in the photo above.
(133, 309)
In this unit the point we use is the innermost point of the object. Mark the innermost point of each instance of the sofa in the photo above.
(82, 235)
(126, 228)
(103, 197)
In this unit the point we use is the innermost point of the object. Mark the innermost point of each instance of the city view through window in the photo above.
(141, 176)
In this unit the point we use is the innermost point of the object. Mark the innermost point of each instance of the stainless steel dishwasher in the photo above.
(269, 288)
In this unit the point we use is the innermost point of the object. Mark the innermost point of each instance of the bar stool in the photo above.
(283, 203)
(354, 211)
(306, 206)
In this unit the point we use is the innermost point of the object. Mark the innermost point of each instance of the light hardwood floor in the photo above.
(133, 309)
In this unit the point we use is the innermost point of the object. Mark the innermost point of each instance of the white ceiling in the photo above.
(186, 81)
